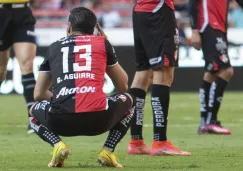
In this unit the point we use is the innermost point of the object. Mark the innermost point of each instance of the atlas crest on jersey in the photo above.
(122, 97)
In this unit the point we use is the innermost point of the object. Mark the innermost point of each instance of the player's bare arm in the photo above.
(196, 39)
(43, 84)
(118, 76)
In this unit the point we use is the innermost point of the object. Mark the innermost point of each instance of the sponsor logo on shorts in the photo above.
(18, 5)
(210, 66)
(221, 45)
(123, 97)
(30, 33)
(155, 60)
(79, 90)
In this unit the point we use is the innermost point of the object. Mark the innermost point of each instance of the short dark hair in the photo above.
(83, 20)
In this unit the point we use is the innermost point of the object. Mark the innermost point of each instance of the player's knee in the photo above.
(226, 74)
(26, 66)
(164, 76)
(31, 110)
(143, 79)
(230, 72)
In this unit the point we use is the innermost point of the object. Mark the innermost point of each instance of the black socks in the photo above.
(43, 132)
(160, 104)
(28, 82)
(137, 121)
(215, 97)
(204, 98)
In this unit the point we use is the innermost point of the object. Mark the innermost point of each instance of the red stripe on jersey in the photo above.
(92, 57)
(152, 5)
(212, 12)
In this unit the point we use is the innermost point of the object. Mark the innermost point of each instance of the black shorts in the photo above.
(156, 39)
(215, 50)
(16, 25)
(88, 123)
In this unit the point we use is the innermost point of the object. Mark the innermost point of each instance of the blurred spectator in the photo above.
(236, 15)
(181, 29)
(109, 18)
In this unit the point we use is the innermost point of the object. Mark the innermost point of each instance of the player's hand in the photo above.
(196, 39)
(100, 31)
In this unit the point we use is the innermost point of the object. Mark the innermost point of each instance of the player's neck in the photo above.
(77, 33)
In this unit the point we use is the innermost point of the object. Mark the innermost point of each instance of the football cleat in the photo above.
(215, 127)
(109, 159)
(166, 148)
(137, 147)
(202, 130)
(60, 153)
(30, 130)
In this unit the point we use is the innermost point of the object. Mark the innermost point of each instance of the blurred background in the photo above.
(115, 16)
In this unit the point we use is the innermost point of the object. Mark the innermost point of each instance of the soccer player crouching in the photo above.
(76, 106)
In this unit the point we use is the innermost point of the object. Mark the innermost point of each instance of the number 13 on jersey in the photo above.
(76, 67)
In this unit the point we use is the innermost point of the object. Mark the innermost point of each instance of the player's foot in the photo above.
(109, 159)
(201, 130)
(166, 148)
(30, 130)
(60, 153)
(138, 147)
(215, 127)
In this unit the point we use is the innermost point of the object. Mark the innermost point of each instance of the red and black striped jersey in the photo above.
(152, 5)
(209, 12)
(78, 65)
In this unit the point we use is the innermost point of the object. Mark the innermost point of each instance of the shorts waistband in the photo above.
(14, 5)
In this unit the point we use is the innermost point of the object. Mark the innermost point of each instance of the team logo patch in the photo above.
(166, 61)
(224, 58)
(122, 97)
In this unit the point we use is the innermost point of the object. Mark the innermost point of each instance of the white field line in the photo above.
(190, 125)
(185, 125)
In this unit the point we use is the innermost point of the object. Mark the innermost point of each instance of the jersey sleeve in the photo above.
(45, 66)
(111, 54)
(193, 13)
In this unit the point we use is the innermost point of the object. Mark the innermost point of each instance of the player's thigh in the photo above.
(161, 38)
(25, 53)
(24, 39)
(215, 50)
(142, 62)
(6, 29)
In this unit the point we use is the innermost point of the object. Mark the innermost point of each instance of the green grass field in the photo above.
(19, 151)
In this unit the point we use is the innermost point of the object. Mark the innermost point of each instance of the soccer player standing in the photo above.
(209, 32)
(17, 29)
(156, 46)
(75, 67)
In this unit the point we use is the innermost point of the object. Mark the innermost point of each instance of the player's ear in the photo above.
(69, 29)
